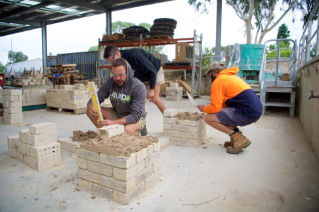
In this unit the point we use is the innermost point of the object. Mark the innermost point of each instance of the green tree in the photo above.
(93, 48)
(283, 32)
(313, 50)
(17, 57)
(2, 68)
(118, 26)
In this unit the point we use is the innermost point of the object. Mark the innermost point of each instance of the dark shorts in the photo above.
(228, 116)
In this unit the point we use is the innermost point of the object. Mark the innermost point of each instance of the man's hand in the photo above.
(104, 123)
(201, 108)
(150, 94)
(91, 113)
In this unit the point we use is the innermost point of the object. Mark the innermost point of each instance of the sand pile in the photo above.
(190, 116)
(80, 136)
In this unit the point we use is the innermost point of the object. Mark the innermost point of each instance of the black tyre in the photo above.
(165, 28)
(164, 24)
(166, 20)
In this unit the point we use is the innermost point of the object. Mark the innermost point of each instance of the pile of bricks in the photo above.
(68, 144)
(38, 80)
(118, 178)
(36, 146)
(34, 97)
(184, 132)
(174, 93)
(68, 97)
(12, 103)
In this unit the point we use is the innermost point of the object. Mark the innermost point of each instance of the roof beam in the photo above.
(19, 21)
(136, 4)
(24, 10)
(22, 29)
(79, 3)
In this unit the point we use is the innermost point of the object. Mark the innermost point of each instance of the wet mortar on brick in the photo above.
(190, 116)
(119, 145)
(80, 136)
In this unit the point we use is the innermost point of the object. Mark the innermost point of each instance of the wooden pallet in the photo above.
(67, 111)
(158, 37)
(183, 52)
(116, 37)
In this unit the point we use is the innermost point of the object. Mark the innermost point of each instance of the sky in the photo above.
(79, 35)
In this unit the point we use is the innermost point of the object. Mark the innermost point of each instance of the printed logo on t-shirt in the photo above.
(120, 97)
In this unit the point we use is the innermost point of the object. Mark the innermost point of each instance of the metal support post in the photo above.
(194, 68)
(306, 51)
(302, 54)
(218, 31)
(308, 40)
(317, 43)
(200, 64)
(108, 23)
(44, 46)
(277, 63)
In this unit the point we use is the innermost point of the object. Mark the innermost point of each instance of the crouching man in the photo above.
(233, 103)
(127, 96)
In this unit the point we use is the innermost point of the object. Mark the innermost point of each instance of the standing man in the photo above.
(127, 95)
(146, 68)
(233, 104)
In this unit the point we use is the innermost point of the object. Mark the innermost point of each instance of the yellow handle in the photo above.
(95, 101)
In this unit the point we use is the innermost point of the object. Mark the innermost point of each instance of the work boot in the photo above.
(239, 142)
(143, 131)
(230, 143)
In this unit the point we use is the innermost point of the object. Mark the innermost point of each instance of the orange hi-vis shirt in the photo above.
(229, 90)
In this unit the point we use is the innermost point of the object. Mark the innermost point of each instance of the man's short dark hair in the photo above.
(119, 62)
(109, 51)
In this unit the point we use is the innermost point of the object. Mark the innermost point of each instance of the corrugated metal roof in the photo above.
(18, 16)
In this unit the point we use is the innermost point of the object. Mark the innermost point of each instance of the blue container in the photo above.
(58, 75)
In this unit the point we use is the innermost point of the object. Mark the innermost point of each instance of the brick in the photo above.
(27, 149)
(27, 138)
(81, 163)
(167, 126)
(14, 104)
(141, 155)
(68, 145)
(13, 121)
(100, 169)
(145, 174)
(119, 162)
(9, 153)
(189, 135)
(101, 190)
(195, 129)
(83, 184)
(125, 199)
(56, 159)
(14, 152)
(127, 174)
(171, 133)
(170, 120)
(25, 159)
(22, 148)
(152, 180)
(22, 135)
(40, 139)
(20, 156)
(194, 143)
(178, 141)
(111, 130)
(152, 159)
(156, 146)
(173, 85)
(180, 128)
(13, 92)
(11, 140)
(150, 150)
(83, 153)
(170, 112)
(45, 150)
(90, 176)
(42, 128)
(156, 166)
(189, 123)
(118, 185)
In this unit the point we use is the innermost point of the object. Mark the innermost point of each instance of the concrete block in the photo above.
(189, 123)
(156, 146)
(152, 180)
(89, 176)
(9, 152)
(100, 169)
(1, 119)
(27, 149)
(45, 150)
(17, 141)
(81, 163)
(22, 135)
(83, 153)
(83, 184)
(15, 104)
(170, 120)
(170, 112)
(56, 159)
(12, 115)
(13, 121)
(20, 157)
(40, 139)
(145, 174)
(42, 128)
(126, 199)
(13, 92)
(127, 174)
(171, 133)
(12, 140)
(173, 85)
(156, 166)
(141, 155)
(22, 148)
(101, 190)
(167, 126)
(14, 153)
(118, 185)
(25, 159)
(152, 159)
(27, 138)
(112, 130)
(149, 150)
(180, 128)
(119, 162)
(13, 110)
(190, 135)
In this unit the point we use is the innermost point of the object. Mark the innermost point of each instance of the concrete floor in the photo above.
(278, 172)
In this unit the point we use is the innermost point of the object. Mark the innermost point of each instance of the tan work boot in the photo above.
(239, 142)
(231, 142)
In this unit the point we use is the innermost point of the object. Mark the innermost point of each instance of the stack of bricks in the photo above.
(119, 179)
(68, 144)
(174, 93)
(184, 132)
(68, 97)
(12, 103)
(36, 146)
(37, 80)
(34, 97)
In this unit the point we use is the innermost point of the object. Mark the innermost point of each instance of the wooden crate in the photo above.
(114, 37)
(183, 52)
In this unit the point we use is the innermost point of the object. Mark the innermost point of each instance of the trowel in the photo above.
(191, 99)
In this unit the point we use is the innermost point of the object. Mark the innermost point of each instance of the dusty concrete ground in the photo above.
(278, 172)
